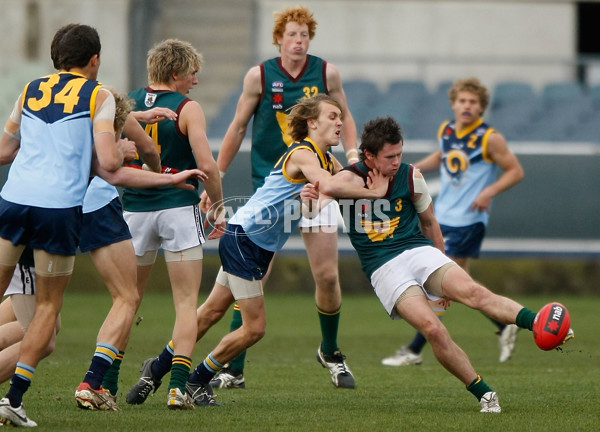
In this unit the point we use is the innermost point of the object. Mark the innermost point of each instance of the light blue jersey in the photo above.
(99, 193)
(274, 211)
(465, 171)
(52, 167)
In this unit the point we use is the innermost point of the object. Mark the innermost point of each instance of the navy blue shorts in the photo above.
(463, 242)
(55, 231)
(241, 257)
(103, 227)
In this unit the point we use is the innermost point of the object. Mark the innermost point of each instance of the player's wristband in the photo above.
(352, 156)
(221, 173)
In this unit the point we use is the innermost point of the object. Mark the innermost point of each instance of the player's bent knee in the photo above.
(255, 334)
(207, 318)
(434, 330)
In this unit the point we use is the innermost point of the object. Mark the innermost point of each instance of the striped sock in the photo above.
(163, 362)
(206, 370)
(180, 371)
(19, 383)
(103, 357)
(111, 377)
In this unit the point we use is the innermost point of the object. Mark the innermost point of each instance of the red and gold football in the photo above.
(551, 325)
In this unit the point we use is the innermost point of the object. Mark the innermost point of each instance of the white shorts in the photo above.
(411, 267)
(328, 216)
(22, 282)
(240, 288)
(173, 229)
(22, 292)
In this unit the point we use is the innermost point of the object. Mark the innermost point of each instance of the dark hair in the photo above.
(76, 47)
(54, 52)
(377, 132)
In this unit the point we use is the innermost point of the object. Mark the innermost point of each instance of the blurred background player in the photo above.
(471, 153)
(269, 90)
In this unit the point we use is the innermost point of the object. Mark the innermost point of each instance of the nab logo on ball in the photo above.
(551, 326)
(555, 319)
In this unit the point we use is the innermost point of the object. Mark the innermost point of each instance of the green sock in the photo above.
(180, 372)
(525, 318)
(111, 377)
(479, 387)
(329, 330)
(237, 363)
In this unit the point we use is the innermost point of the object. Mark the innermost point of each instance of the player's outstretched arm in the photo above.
(11, 138)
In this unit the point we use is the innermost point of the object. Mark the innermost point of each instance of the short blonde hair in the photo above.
(299, 14)
(472, 85)
(172, 56)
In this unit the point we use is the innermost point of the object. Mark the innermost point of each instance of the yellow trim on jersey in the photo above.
(23, 95)
(93, 102)
(322, 157)
(484, 145)
(461, 134)
(287, 156)
(441, 128)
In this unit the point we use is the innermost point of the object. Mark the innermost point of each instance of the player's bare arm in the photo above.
(11, 141)
(431, 228)
(109, 156)
(136, 178)
(127, 149)
(430, 162)
(512, 171)
(154, 115)
(302, 163)
(145, 146)
(236, 131)
(335, 89)
(193, 124)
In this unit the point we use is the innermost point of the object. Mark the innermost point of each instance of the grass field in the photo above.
(287, 390)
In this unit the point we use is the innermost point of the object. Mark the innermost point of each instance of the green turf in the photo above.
(287, 390)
